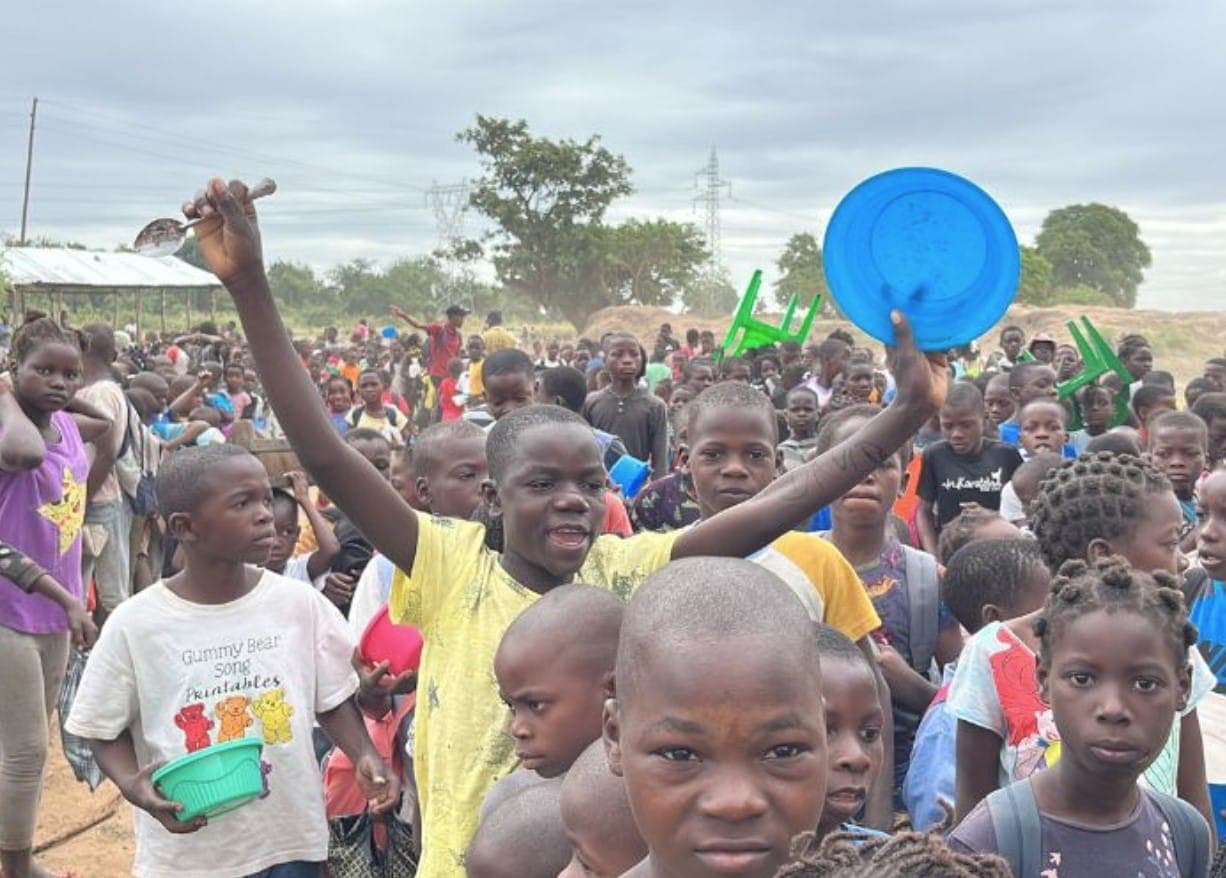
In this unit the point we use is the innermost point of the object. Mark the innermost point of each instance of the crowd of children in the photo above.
(926, 616)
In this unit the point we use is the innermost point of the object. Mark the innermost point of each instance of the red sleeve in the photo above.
(616, 521)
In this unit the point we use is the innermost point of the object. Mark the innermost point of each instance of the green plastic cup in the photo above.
(214, 780)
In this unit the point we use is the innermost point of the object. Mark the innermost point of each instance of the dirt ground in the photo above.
(1181, 341)
(80, 834)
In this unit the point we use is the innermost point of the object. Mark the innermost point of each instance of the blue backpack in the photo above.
(1018, 828)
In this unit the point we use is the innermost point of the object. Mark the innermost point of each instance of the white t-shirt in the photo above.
(297, 568)
(176, 673)
(370, 594)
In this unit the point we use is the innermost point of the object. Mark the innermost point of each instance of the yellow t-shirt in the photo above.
(463, 601)
(823, 580)
(476, 384)
(498, 339)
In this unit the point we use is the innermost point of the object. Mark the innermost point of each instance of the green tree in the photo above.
(1034, 282)
(548, 199)
(711, 296)
(801, 274)
(653, 262)
(1097, 246)
(296, 286)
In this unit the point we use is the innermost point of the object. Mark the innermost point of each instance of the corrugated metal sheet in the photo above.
(55, 267)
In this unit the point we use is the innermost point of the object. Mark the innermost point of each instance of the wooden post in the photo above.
(213, 304)
(115, 318)
(162, 307)
(189, 310)
(140, 295)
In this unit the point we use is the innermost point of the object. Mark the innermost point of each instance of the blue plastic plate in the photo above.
(929, 243)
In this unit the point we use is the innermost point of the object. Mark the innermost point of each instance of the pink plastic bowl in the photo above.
(385, 641)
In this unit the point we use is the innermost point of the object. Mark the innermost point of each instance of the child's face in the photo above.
(339, 397)
(768, 370)
(724, 761)
(556, 704)
(1154, 542)
(1066, 362)
(870, 501)
(623, 359)
(731, 457)
(602, 845)
(854, 747)
(998, 402)
(235, 380)
(677, 402)
(404, 480)
(962, 427)
(285, 517)
(1040, 382)
(506, 393)
(234, 521)
(1114, 685)
(1096, 410)
(1011, 343)
(801, 414)
(1211, 543)
(1217, 374)
(453, 489)
(860, 381)
(250, 380)
(1140, 362)
(1217, 441)
(370, 388)
(1180, 453)
(476, 348)
(701, 377)
(48, 377)
(738, 372)
(1159, 405)
(378, 453)
(1041, 427)
(552, 503)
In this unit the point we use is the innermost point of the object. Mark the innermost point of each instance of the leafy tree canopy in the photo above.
(1096, 246)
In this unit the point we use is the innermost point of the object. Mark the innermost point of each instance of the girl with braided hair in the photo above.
(1097, 506)
(43, 474)
(904, 855)
(1113, 665)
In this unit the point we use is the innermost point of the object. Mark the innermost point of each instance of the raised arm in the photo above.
(797, 495)
(400, 314)
(327, 546)
(229, 240)
(21, 445)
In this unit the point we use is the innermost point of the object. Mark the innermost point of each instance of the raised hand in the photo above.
(922, 378)
(228, 235)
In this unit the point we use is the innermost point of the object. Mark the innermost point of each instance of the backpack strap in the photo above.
(126, 444)
(355, 415)
(1018, 828)
(1189, 833)
(924, 596)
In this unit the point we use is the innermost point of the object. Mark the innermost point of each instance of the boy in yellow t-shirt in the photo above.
(547, 485)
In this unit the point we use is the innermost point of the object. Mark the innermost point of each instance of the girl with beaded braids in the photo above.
(1097, 506)
(1113, 665)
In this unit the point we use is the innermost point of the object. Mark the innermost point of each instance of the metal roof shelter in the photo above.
(58, 272)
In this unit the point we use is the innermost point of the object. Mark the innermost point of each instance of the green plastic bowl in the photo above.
(214, 780)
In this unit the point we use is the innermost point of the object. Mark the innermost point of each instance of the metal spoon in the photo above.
(164, 237)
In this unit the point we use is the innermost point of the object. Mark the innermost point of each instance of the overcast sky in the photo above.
(353, 106)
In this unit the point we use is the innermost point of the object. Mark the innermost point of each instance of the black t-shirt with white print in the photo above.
(949, 479)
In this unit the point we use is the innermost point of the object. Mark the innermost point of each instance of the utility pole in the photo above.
(25, 197)
(449, 204)
(712, 189)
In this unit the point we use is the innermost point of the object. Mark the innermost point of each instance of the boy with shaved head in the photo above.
(717, 725)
